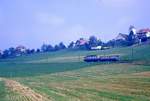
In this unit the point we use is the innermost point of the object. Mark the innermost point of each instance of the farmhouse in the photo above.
(81, 42)
(143, 34)
(20, 50)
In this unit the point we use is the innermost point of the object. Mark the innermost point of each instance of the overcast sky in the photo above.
(34, 22)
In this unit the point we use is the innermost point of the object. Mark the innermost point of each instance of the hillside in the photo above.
(63, 76)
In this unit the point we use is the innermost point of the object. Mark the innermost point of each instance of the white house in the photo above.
(21, 48)
(148, 34)
(133, 29)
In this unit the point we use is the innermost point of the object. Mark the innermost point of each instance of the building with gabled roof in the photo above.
(20, 50)
(81, 42)
(143, 34)
(121, 36)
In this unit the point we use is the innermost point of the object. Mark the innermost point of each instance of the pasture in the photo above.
(63, 76)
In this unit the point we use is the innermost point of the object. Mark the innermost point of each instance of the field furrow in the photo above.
(27, 94)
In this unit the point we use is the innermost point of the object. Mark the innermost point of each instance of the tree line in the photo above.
(80, 44)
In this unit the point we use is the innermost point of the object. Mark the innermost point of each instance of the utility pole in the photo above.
(132, 53)
(79, 57)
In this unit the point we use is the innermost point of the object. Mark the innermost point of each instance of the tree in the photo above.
(61, 45)
(32, 51)
(38, 50)
(121, 43)
(50, 48)
(28, 51)
(110, 43)
(100, 43)
(12, 51)
(5, 53)
(71, 45)
(44, 48)
(56, 47)
(93, 41)
(131, 38)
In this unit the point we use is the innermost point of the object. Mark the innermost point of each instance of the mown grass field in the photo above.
(63, 76)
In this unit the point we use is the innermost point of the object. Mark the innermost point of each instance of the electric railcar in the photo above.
(96, 58)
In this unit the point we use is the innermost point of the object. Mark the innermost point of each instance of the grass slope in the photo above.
(2, 91)
(63, 76)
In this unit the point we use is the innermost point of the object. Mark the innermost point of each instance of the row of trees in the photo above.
(48, 47)
(81, 43)
(13, 52)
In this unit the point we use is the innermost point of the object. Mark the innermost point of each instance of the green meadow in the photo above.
(64, 76)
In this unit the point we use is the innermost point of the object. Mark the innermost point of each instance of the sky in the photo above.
(34, 22)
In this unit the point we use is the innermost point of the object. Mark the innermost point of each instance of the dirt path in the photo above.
(146, 74)
(24, 90)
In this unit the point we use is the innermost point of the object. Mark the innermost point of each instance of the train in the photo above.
(97, 58)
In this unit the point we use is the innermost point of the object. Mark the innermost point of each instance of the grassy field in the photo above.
(2, 91)
(63, 76)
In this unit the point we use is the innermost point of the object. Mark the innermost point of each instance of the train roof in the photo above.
(104, 55)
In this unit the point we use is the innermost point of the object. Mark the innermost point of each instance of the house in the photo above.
(96, 48)
(121, 37)
(81, 42)
(21, 49)
(143, 34)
